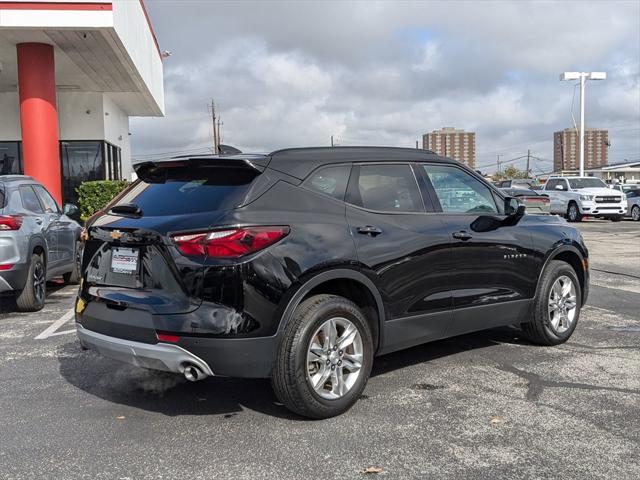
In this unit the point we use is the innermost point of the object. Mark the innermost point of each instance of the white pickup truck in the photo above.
(576, 197)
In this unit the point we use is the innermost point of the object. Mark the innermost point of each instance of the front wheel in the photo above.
(556, 305)
(635, 213)
(573, 213)
(617, 218)
(325, 357)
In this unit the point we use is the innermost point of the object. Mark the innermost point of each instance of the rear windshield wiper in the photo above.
(126, 210)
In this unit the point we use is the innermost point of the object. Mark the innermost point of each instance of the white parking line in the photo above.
(51, 330)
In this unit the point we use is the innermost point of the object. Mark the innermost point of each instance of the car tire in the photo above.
(32, 296)
(573, 212)
(73, 277)
(549, 326)
(297, 367)
(617, 218)
(635, 213)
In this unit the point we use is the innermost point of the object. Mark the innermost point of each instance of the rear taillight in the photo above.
(10, 222)
(6, 266)
(229, 243)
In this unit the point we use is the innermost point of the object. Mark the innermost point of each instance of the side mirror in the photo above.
(512, 206)
(559, 187)
(70, 209)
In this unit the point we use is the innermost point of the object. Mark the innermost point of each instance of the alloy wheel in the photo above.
(334, 358)
(562, 304)
(573, 212)
(635, 213)
(39, 282)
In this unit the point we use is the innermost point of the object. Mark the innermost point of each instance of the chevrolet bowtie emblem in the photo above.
(116, 234)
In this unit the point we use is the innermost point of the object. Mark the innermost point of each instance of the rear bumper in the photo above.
(15, 278)
(160, 356)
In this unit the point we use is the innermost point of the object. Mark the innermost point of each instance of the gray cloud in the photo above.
(294, 73)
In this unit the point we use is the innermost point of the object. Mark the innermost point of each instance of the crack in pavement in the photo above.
(537, 384)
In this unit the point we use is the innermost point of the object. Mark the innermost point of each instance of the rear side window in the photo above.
(30, 200)
(182, 188)
(50, 205)
(460, 192)
(330, 180)
(386, 188)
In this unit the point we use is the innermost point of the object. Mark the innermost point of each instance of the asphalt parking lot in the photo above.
(486, 405)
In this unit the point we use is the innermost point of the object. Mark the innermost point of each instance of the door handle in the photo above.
(39, 221)
(462, 235)
(369, 230)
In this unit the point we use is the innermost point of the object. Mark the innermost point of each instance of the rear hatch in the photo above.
(131, 259)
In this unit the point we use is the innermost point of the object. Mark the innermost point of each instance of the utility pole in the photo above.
(416, 144)
(528, 158)
(216, 143)
(218, 135)
(499, 155)
(332, 140)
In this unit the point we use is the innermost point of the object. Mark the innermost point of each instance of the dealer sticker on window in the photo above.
(124, 260)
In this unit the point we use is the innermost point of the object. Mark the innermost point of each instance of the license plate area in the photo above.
(124, 260)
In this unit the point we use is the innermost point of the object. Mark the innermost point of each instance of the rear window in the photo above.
(179, 189)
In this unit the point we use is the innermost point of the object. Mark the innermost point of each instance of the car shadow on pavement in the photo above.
(172, 395)
(443, 348)
(8, 300)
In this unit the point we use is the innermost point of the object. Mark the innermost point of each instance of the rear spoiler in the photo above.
(150, 169)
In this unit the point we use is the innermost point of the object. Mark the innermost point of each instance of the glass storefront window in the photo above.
(10, 158)
(81, 161)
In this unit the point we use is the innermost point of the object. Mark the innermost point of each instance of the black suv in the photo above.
(304, 264)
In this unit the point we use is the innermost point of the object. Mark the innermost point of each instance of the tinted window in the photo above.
(577, 183)
(81, 162)
(330, 180)
(387, 188)
(30, 200)
(50, 205)
(630, 194)
(182, 188)
(519, 192)
(459, 192)
(10, 158)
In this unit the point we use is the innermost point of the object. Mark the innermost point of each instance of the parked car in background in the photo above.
(38, 241)
(304, 264)
(515, 183)
(576, 197)
(633, 203)
(535, 202)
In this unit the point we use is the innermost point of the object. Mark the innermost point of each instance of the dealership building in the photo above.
(71, 75)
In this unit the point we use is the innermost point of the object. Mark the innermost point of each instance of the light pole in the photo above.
(583, 77)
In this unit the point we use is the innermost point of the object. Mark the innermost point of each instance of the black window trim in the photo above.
(355, 176)
(431, 191)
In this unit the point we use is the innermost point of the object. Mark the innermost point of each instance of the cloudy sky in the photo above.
(383, 73)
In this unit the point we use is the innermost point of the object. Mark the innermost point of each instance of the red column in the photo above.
(39, 116)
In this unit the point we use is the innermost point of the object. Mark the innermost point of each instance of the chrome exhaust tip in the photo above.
(193, 373)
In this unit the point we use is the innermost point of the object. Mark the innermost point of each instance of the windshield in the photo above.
(577, 183)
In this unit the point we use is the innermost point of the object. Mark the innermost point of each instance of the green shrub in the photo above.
(93, 196)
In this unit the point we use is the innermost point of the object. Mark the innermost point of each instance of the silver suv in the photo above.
(38, 241)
